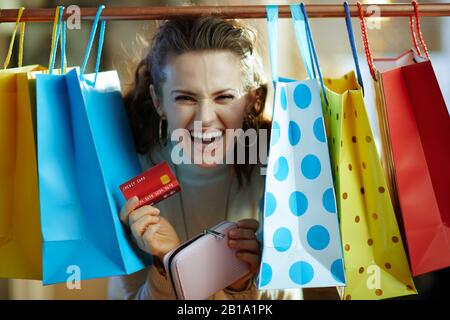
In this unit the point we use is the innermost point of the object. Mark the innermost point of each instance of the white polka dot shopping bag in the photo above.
(302, 245)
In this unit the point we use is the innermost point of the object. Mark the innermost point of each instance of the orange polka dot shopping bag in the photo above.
(376, 265)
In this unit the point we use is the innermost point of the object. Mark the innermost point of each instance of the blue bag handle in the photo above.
(302, 40)
(307, 49)
(91, 41)
(312, 51)
(351, 38)
(63, 45)
(272, 28)
(60, 30)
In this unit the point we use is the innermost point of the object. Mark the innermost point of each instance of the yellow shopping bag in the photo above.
(20, 233)
(375, 261)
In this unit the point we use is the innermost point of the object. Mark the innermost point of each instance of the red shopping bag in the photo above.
(415, 132)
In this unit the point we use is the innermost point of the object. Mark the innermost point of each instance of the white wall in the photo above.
(441, 61)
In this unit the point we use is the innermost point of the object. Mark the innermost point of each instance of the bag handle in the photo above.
(313, 51)
(419, 32)
(13, 37)
(302, 42)
(369, 57)
(59, 29)
(56, 28)
(272, 25)
(307, 49)
(351, 38)
(63, 45)
(366, 41)
(91, 41)
(272, 28)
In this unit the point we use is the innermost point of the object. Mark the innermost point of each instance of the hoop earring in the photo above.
(162, 140)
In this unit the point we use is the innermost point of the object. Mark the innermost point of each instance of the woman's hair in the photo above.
(182, 35)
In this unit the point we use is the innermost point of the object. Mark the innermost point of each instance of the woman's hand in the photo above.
(152, 233)
(243, 239)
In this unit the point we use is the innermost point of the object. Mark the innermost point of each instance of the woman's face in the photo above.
(203, 94)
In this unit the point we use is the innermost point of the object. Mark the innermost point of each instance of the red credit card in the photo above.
(152, 186)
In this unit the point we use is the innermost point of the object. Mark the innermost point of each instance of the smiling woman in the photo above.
(204, 86)
(203, 69)
(201, 76)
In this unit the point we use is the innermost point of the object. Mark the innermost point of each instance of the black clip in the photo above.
(214, 233)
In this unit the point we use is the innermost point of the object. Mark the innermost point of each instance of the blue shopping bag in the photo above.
(85, 151)
(301, 239)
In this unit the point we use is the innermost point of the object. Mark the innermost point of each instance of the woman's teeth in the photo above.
(207, 136)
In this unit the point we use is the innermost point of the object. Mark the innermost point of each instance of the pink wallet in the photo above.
(204, 265)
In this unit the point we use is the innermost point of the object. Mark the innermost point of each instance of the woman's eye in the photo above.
(185, 99)
(225, 98)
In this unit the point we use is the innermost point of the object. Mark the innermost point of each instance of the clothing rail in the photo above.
(232, 11)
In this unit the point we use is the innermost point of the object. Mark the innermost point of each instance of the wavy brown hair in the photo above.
(175, 37)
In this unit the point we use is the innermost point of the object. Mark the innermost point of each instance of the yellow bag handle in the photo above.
(11, 44)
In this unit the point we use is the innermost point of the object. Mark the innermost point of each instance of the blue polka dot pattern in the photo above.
(311, 167)
(318, 237)
(266, 274)
(337, 271)
(282, 239)
(301, 238)
(271, 204)
(294, 133)
(328, 201)
(275, 134)
(319, 131)
(283, 98)
(298, 203)
(281, 169)
(301, 272)
(302, 96)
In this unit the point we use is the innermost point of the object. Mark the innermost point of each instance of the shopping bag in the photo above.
(301, 241)
(20, 237)
(376, 265)
(415, 129)
(85, 152)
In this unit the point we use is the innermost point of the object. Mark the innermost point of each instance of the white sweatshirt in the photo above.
(208, 196)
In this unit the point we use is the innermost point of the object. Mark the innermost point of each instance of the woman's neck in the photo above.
(192, 170)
